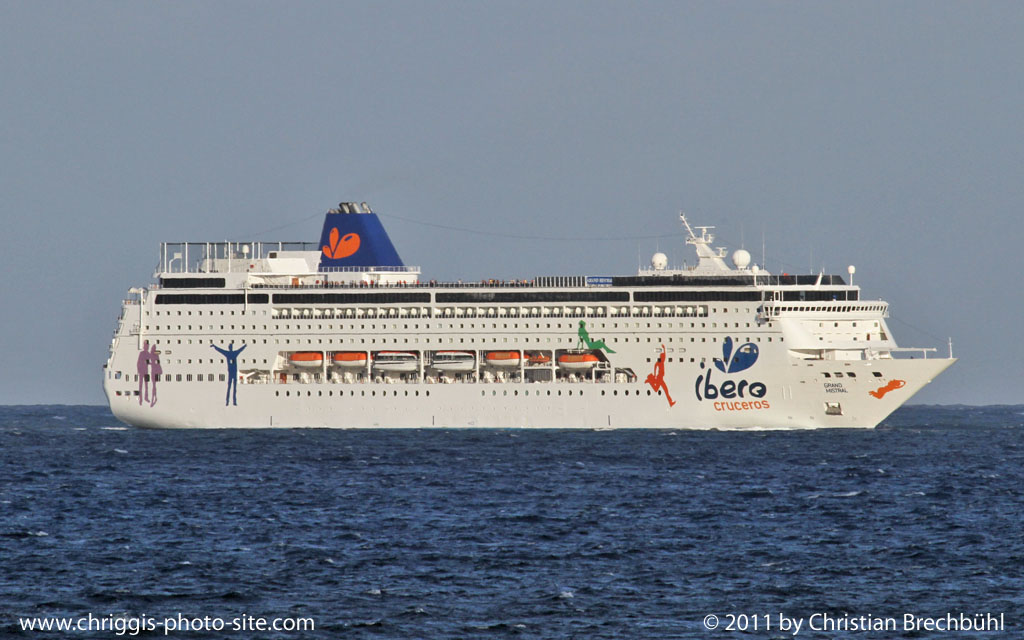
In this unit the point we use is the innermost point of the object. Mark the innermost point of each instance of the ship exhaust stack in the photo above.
(353, 236)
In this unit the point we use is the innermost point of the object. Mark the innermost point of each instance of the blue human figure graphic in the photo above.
(231, 355)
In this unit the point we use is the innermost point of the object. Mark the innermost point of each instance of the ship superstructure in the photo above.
(342, 334)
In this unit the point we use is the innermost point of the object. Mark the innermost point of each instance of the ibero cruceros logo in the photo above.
(731, 394)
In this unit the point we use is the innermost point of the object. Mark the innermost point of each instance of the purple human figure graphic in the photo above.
(155, 369)
(231, 355)
(142, 366)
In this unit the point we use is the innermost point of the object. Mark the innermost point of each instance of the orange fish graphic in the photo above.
(341, 247)
(892, 386)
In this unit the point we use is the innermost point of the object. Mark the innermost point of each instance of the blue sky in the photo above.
(884, 135)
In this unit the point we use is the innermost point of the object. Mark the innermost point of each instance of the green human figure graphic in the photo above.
(590, 344)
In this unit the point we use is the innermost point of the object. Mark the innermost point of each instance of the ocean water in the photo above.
(493, 533)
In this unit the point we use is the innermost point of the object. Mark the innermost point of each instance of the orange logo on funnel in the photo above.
(341, 247)
(892, 386)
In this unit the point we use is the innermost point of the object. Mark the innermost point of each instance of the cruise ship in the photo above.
(342, 334)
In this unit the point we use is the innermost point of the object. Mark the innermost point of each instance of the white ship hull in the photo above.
(795, 399)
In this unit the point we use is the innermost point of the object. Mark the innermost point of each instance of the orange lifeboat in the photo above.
(306, 359)
(577, 361)
(353, 359)
(503, 358)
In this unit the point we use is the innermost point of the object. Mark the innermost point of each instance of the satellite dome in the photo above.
(659, 261)
(741, 258)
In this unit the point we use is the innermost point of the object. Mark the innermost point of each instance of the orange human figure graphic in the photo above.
(657, 379)
(892, 386)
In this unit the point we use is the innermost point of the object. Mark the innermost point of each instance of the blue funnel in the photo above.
(354, 237)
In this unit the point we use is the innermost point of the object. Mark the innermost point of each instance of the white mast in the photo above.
(709, 259)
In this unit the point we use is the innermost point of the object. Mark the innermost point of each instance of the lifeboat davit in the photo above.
(537, 358)
(503, 358)
(577, 361)
(353, 359)
(396, 361)
(454, 361)
(306, 359)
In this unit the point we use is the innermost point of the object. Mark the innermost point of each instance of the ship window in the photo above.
(827, 374)
(851, 374)
(877, 374)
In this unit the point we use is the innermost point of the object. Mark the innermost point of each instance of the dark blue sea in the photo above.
(518, 534)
